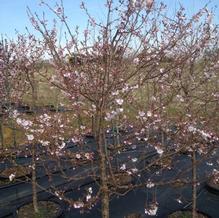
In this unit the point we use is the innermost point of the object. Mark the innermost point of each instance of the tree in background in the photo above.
(10, 82)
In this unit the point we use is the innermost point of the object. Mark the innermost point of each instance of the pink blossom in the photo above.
(150, 184)
(141, 113)
(151, 209)
(11, 177)
(119, 101)
(149, 113)
(30, 137)
(123, 167)
(78, 204)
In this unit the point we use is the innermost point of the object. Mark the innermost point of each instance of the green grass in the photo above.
(9, 139)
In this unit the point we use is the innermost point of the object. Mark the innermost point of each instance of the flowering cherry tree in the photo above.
(137, 47)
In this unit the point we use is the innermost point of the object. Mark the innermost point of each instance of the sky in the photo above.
(13, 15)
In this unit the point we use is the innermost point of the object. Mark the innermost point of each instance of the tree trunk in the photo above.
(34, 186)
(12, 126)
(34, 92)
(1, 132)
(194, 185)
(79, 117)
(117, 134)
(104, 185)
(103, 168)
(93, 126)
(34, 182)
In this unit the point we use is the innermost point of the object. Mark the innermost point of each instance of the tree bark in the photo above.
(1, 132)
(194, 185)
(104, 189)
(117, 133)
(34, 84)
(34, 182)
(35, 203)
(13, 133)
(103, 168)
(34, 187)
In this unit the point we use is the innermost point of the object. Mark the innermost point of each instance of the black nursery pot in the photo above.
(171, 215)
(5, 182)
(212, 188)
(47, 208)
(134, 215)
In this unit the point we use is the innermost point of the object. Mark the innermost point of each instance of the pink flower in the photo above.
(149, 114)
(136, 61)
(159, 150)
(30, 137)
(123, 167)
(150, 184)
(11, 177)
(141, 113)
(152, 209)
(119, 101)
(78, 156)
(78, 204)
